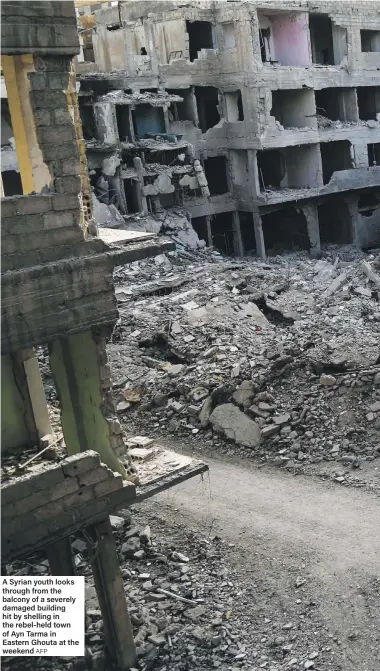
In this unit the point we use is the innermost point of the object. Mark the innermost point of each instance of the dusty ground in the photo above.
(283, 529)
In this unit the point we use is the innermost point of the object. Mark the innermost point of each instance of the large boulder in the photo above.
(231, 422)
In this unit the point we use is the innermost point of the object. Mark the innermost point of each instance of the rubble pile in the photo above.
(190, 608)
(279, 358)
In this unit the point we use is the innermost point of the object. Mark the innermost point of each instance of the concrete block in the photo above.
(9, 206)
(58, 219)
(69, 184)
(34, 204)
(53, 151)
(8, 511)
(29, 484)
(57, 135)
(14, 227)
(44, 497)
(44, 513)
(62, 116)
(65, 202)
(93, 477)
(38, 80)
(58, 81)
(70, 167)
(82, 495)
(80, 463)
(43, 117)
(108, 486)
(48, 99)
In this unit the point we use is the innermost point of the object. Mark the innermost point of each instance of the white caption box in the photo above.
(42, 616)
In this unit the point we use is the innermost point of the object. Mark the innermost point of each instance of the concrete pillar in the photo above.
(237, 237)
(106, 123)
(18, 427)
(259, 235)
(166, 119)
(253, 174)
(140, 170)
(82, 379)
(209, 231)
(351, 200)
(360, 153)
(310, 211)
(36, 393)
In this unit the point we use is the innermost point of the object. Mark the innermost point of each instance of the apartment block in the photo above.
(274, 105)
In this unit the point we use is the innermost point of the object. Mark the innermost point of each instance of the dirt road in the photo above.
(283, 527)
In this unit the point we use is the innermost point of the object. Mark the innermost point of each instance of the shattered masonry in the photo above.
(280, 103)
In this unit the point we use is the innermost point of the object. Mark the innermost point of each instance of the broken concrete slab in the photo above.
(231, 422)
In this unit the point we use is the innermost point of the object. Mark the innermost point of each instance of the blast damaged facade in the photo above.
(274, 105)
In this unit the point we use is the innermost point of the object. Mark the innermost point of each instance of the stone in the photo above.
(206, 410)
(129, 548)
(376, 379)
(140, 554)
(265, 407)
(243, 394)
(132, 532)
(157, 639)
(117, 522)
(194, 614)
(198, 394)
(178, 556)
(375, 407)
(145, 536)
(264, 396)
(282, 419)
(228, 420)
(327, 380)
(175, 370)
(122, 406)
(270, 430)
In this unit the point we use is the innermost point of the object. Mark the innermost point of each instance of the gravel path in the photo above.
(284, 529)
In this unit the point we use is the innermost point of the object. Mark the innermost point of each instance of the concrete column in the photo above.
(253, 174)
(36, 393)
(106, 123)
(140, 170)
(351, 200)
(209, 231)
(310, 211)
(237, 239)
(166, 119)
(360, 151)
(259, 235)
(18, 427)
(82, 379)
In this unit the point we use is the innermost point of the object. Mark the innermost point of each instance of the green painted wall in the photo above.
(75, 368)
(14, 430)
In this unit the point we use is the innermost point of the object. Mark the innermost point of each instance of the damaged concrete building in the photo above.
(280, 102)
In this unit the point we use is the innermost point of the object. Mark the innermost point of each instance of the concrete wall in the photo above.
(291, 39)
(38, 27)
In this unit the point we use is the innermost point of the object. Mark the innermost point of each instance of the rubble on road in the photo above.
(290, 345)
